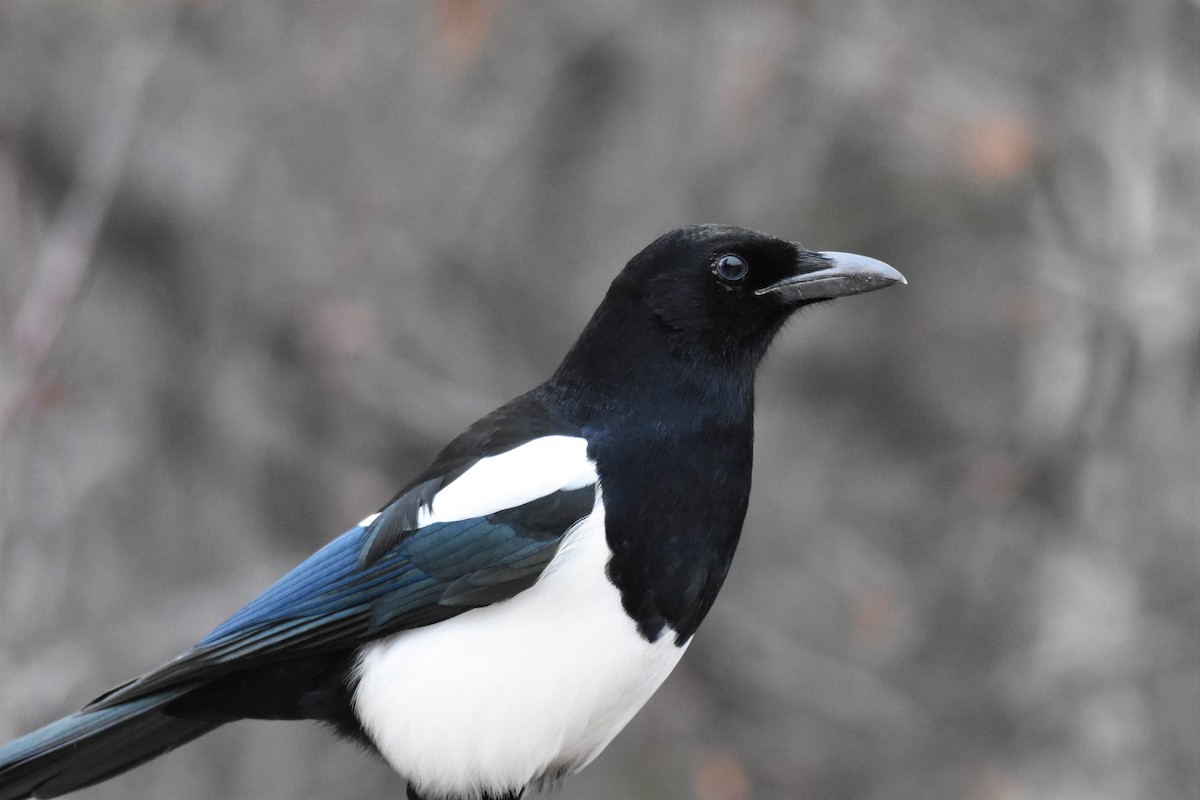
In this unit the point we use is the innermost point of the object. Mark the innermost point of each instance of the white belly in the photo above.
(517, 693)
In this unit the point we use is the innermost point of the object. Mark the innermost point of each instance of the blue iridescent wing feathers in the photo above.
(330, 602)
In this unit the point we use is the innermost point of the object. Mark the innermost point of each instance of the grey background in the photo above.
(259, 260)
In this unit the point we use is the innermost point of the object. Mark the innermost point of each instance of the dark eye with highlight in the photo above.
(731, 268)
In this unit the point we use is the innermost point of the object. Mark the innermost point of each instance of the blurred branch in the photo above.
(63, 260)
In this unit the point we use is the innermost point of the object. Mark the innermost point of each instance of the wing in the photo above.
(480, 537)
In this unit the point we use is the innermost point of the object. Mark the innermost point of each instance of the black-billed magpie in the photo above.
(497, 623)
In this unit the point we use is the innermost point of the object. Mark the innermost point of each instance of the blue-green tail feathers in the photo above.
(92, 745)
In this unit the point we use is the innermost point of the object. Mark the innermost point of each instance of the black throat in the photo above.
(671, 430)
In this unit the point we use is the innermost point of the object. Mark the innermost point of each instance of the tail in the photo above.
(93, 745)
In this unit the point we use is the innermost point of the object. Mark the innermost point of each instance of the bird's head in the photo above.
(724, 292)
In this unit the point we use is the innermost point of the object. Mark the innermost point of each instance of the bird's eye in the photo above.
(731, 268)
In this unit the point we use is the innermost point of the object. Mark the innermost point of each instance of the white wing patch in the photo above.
(512, 478)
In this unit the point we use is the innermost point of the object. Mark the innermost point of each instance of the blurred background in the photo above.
(260, 260)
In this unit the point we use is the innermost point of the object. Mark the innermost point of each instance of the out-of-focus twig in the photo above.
(62, 260)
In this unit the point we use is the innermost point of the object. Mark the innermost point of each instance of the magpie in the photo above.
(502, 618)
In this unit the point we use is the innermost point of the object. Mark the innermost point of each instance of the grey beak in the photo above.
(847, 274)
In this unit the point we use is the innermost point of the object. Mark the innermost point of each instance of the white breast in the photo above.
(517, 693)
